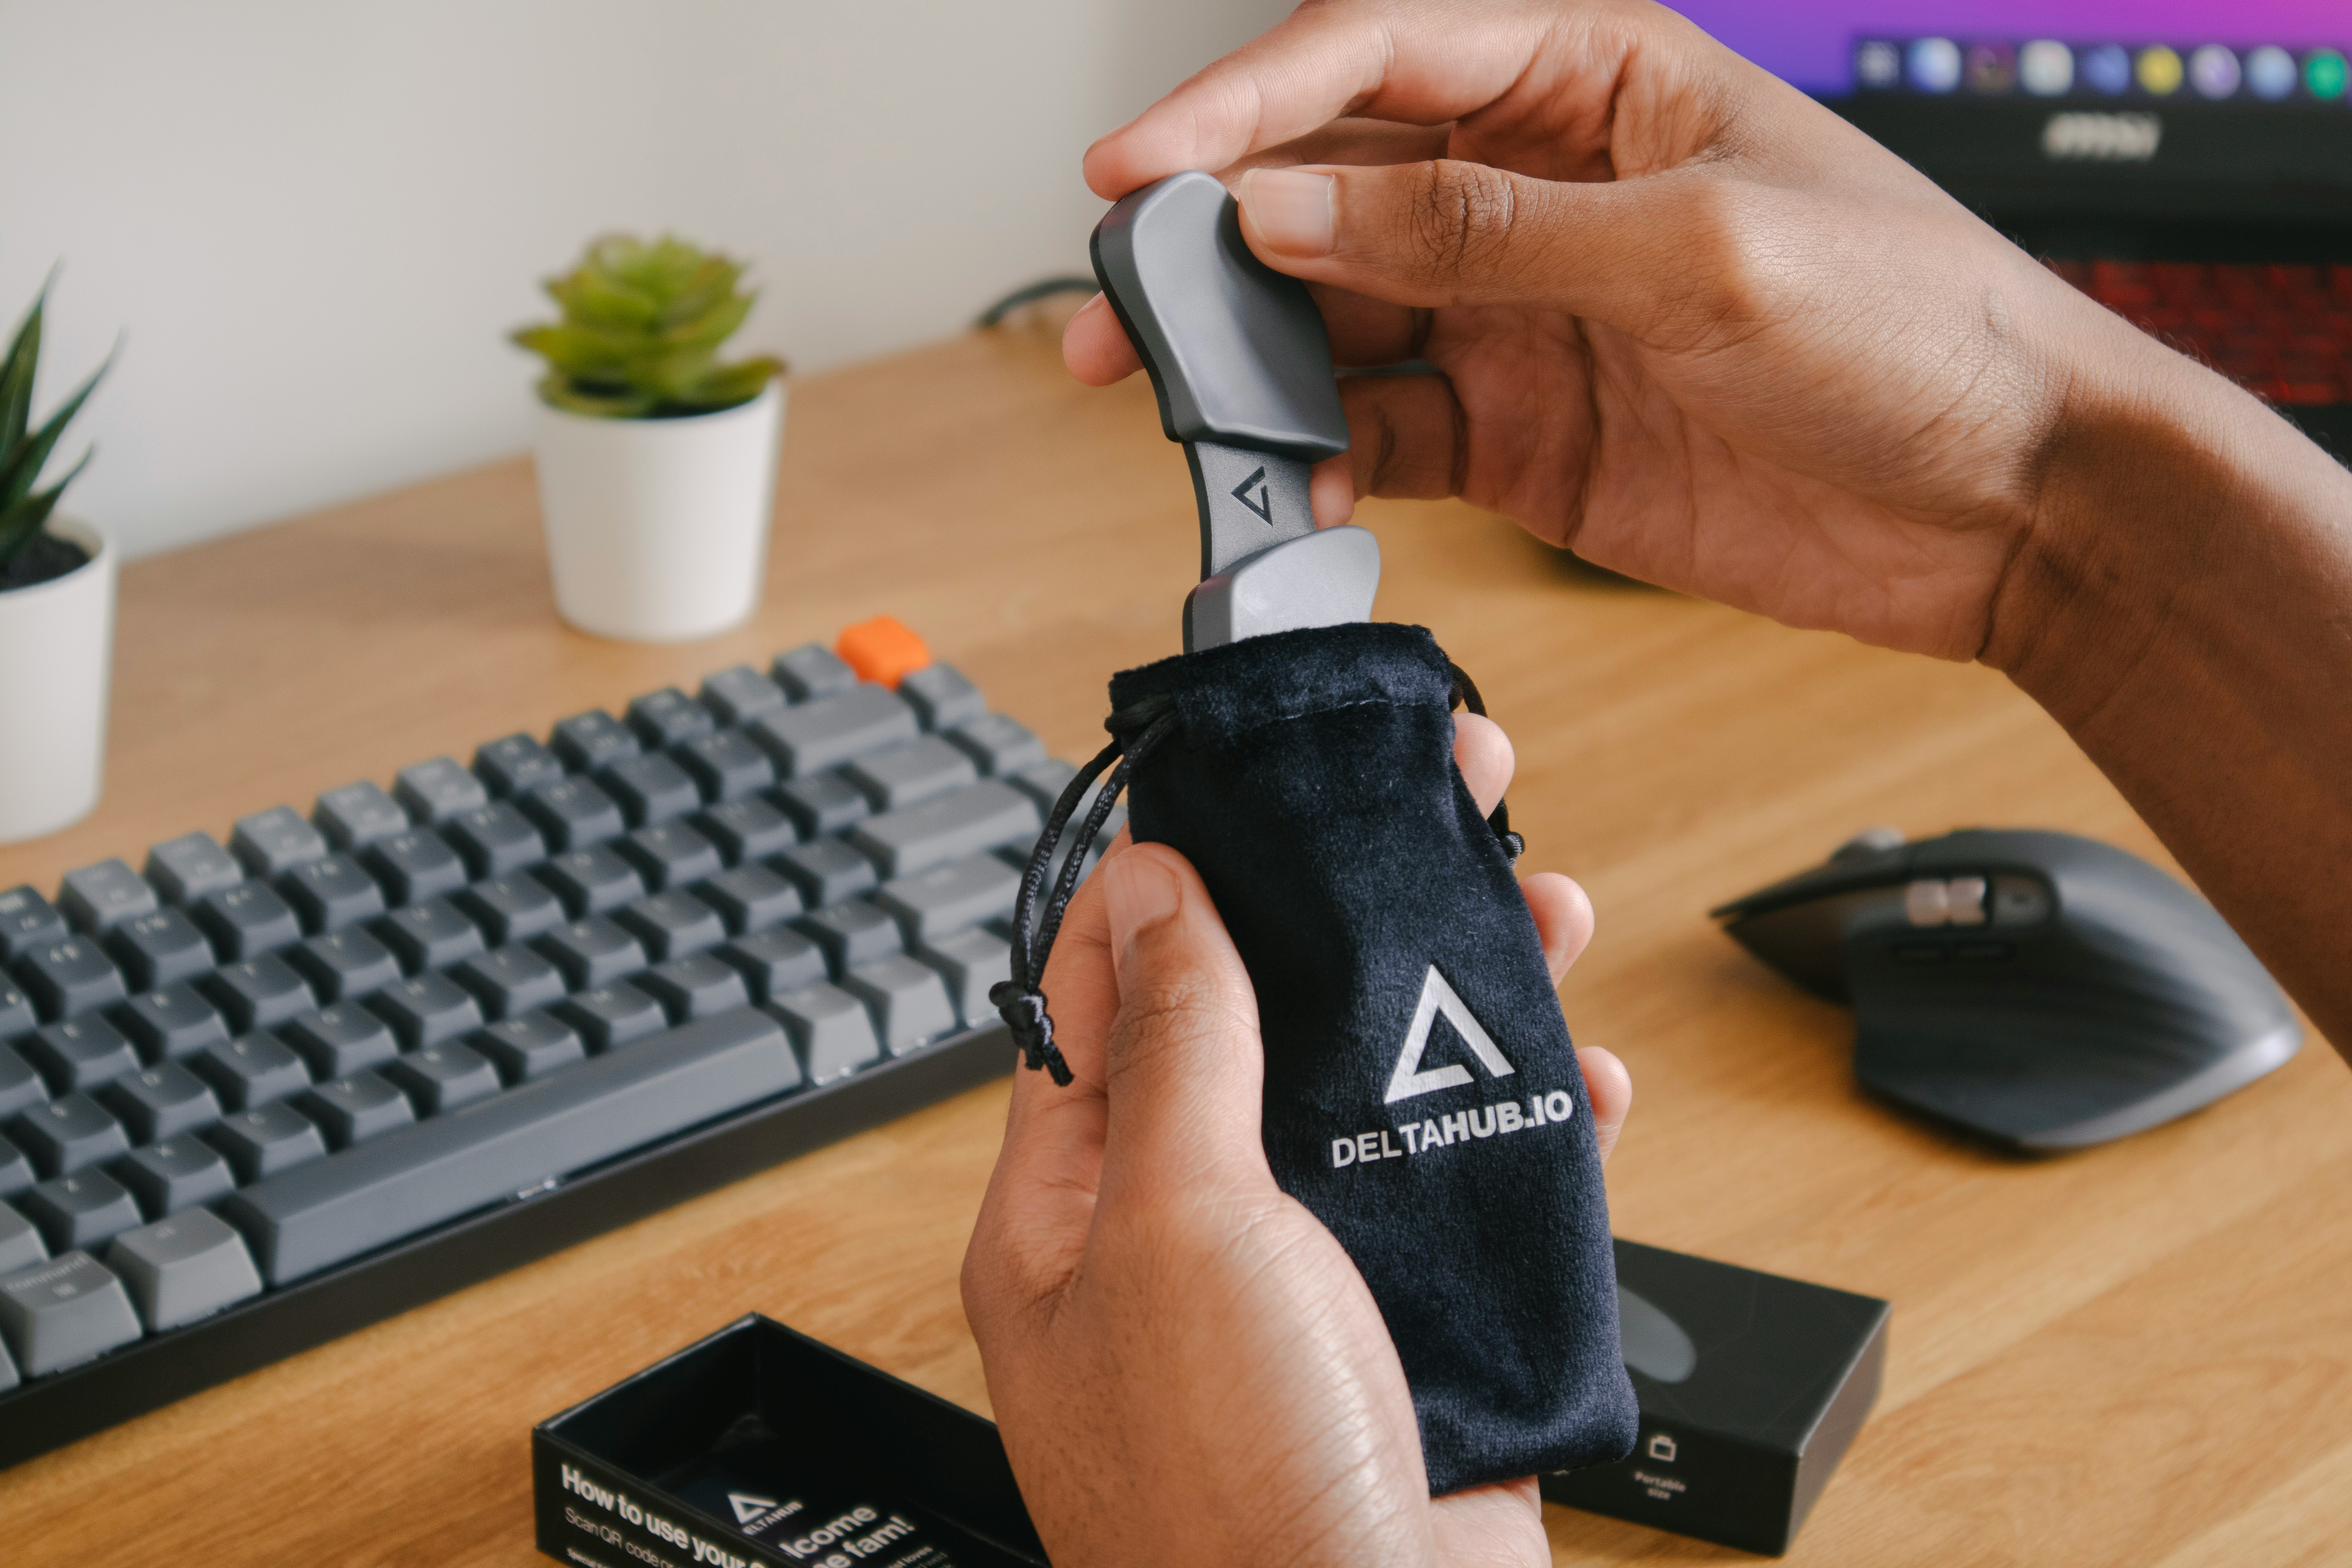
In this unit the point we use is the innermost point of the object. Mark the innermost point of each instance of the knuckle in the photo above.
(1463, 219)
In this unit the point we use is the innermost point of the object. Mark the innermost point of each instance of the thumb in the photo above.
(1184, 1064)
(1632, 253)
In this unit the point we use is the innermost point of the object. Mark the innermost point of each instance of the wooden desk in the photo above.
(2137, 1355)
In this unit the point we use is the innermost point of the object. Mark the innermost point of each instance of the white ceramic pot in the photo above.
(658, 528)
(57, 653)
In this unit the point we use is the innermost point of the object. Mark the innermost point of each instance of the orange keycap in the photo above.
(882, 650)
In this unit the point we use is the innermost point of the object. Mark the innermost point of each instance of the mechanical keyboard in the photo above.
(254, 1095)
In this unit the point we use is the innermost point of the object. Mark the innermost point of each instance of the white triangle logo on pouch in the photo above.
(747, 1506)
(1436, 997)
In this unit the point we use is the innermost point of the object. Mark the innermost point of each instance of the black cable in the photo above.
(1029, 294)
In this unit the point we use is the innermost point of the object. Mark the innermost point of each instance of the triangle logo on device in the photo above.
(747, 1506)
(1409, 1080)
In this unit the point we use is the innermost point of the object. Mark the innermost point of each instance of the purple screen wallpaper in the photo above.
(1810, 42)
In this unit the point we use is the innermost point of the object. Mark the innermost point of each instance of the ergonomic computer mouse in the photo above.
(2040, 989)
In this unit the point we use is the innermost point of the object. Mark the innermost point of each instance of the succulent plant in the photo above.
(24, 451)
(641, 329)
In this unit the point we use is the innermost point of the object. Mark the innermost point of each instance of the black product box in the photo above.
(760, 1446)
(1751, 1388)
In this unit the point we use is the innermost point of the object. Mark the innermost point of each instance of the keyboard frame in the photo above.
(49, 1412)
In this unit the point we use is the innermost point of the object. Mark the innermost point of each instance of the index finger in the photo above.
(1417, 64)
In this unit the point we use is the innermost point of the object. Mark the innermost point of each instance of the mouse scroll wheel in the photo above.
(1869, 841)
(1941, 901)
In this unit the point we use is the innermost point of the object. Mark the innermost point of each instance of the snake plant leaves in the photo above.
(23, 510)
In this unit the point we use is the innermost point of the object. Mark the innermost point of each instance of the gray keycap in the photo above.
(70, 1133)
(331, 892)
(177, 1174)
(252, 1071)
(274, 841)
(343, 965)
(824, 802)
(248, 922)
(942, 696)
(27, 921)
(258, 992)
(352, 1110)
(908, 1001)
(651, 789)
(774, 961)
(16, 1170)
(851, 934)
(69, 977)
(831, 730)
(910, 772)
(20, 1241)
(667, 718)
(1002, 746)
(266, 1140)
(172, 1023)
(670, 855)
(727, 765)
(159, 1101)
(531, 1046)
(358, 814)
(612, 1015)
(426, 1010)
(591, 953)
(516, 765)
(64, 1312)
(694, 987)
(592, 880)
(586, 741)
(430, 935)
(338, 1040)
(414, 865)
(16, 1016)
(826, 871)
(185, 869)
(830, 1029)
(751, 898)
(747, 830)
(572, 814)
(437, 790)
(100, 897)
(317, 1216)
(495, 839)
(1043, 783)
(739, 695)
(443, 1078)
(20, 1085)
(811, 671)
(672, 925)
(513, 908)
(85, 1210)
(918, 837)
(946, 898)
(159, 949)
(511, 981)
(84, 1054)
(182, 1268)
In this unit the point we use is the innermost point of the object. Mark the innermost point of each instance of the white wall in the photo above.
(312, 223)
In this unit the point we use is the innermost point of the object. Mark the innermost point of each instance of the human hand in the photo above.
(1185, 1365)
(1690, 322)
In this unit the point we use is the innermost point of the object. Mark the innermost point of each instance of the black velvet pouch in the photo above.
(1422, 1097)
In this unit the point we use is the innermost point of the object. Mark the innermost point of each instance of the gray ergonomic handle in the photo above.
(1242, 367)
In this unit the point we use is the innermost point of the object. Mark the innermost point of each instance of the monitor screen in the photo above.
(2276, 51)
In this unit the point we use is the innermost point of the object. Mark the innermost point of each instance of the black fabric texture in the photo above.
(1309, 777)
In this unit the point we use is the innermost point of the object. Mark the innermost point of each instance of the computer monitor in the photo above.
(2036, 109)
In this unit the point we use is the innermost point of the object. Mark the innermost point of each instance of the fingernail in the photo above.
(1137, 890)
(1291, 210)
